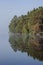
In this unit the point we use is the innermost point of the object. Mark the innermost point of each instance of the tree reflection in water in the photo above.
(33, 46)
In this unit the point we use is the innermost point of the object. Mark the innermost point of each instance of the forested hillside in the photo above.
(28, 23)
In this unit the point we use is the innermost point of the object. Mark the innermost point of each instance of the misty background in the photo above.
(9, 8)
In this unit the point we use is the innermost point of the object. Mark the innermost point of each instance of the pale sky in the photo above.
(9, 8)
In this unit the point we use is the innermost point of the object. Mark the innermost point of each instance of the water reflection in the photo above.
(32, 45)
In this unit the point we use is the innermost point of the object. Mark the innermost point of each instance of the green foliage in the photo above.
(24, 23)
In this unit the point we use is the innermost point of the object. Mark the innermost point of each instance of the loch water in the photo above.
(20, 49)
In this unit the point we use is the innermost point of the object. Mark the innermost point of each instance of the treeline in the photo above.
(27, 23)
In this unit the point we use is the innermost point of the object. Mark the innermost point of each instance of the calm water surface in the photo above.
(18, 49)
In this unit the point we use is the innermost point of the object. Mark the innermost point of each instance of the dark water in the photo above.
(20, 49)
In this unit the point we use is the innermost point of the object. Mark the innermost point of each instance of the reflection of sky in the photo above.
(9, 57)
(8, 8)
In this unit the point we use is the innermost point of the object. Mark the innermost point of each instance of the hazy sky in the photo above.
(9, 8)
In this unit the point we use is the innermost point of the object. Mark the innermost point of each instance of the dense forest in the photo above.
(28, 23)
(31, 23)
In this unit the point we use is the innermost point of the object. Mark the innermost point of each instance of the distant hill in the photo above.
(28, 23)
